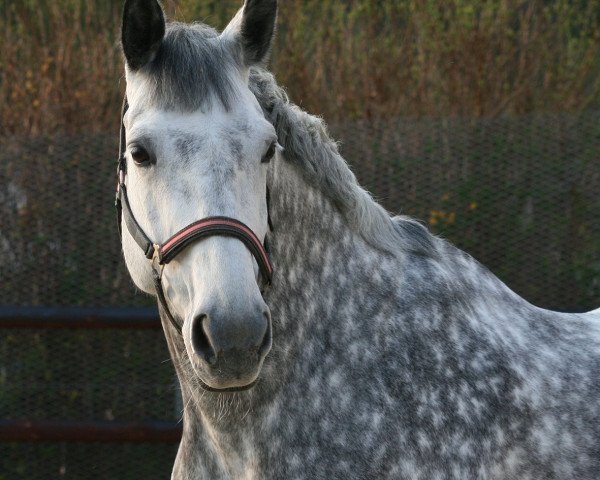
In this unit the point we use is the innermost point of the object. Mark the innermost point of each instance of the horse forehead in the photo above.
(191, 128)
(220, 144)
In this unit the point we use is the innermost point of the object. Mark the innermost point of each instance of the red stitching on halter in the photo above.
(208, 224)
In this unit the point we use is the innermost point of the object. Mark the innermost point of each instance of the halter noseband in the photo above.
(160, 255)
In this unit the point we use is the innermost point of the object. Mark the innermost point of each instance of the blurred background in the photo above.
(481, 118)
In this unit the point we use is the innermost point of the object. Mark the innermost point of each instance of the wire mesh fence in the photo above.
(80, 376)
(521, 194)
(87, 374)
(86, 461)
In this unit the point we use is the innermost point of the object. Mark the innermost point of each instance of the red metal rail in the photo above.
(89, 432)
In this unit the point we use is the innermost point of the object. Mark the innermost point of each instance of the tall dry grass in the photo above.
(425, 57)
(60, 63)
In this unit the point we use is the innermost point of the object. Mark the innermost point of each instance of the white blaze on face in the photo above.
(203, 164)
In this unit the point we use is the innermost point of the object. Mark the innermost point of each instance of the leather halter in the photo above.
(162, 254)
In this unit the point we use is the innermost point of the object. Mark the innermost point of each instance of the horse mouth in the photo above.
(233, 370)
(242, 388)
(227, 378)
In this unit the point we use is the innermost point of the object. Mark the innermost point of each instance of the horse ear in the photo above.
(142, 31)
(254, 27)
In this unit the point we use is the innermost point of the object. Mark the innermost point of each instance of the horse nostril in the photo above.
(200, 341)
(267, 339)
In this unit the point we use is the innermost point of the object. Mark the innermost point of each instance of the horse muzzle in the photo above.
(227, 352)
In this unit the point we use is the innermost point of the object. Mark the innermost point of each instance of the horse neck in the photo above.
(307, 226)
(318, 258)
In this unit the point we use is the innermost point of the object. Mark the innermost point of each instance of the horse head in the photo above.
(197, 146)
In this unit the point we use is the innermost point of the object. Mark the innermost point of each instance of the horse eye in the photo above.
(139, 155)
(269, 153)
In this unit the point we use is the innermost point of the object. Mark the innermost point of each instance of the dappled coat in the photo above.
(394, 354)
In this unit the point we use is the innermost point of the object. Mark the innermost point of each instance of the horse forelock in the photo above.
(192, 69)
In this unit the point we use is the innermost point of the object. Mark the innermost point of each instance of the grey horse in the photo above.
(377, 350)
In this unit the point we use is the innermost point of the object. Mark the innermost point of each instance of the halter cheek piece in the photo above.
(160, 255)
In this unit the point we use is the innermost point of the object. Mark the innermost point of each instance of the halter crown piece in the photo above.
(160, 255)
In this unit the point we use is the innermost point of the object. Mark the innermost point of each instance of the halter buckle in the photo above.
(155, 252)
(156, 264)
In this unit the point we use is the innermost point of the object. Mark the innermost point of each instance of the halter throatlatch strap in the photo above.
(156, 278)
(132, 226)
(122, 202)
(121, 167)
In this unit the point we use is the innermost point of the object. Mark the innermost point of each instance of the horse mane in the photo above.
(308, 145)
